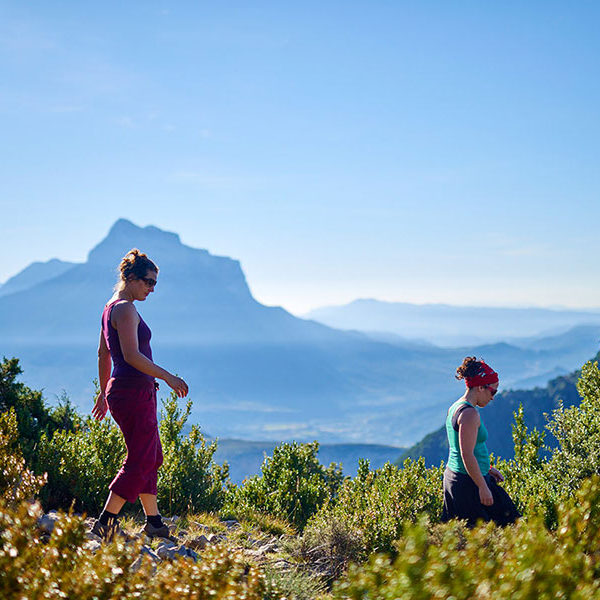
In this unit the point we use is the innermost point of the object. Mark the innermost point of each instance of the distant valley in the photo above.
(256, 372)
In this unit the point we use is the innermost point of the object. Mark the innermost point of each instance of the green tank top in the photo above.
(455, 461)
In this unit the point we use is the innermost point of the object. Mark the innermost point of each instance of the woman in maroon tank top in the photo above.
(130, 394)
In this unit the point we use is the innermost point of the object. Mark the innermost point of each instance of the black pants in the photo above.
(461, 501)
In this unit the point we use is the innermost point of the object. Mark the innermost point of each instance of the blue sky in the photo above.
(410, 151)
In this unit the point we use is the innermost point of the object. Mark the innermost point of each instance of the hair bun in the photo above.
(134, 265)
(470, 367)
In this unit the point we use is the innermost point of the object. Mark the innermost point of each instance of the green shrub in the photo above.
(577, 430)
(293, 486)
(520, 562)
(527, 478)
(376, 504)
(539, 483)
(33, 417)
(80, 465)
(189, 479)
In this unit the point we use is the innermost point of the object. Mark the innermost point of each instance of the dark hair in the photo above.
(470, 367)
(134, 265)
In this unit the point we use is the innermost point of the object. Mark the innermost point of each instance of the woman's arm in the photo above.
(468, 424)
(126, 321)
(104, 365)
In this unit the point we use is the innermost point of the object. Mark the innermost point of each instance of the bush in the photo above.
(189, 479)
(526, 477)
(539, 484)
(33, 417)
(520, 562)
(577, 430)
(17, 483)
(327, 550)
(65, 568)
(80, 465)
(376, 504)
(293, 486)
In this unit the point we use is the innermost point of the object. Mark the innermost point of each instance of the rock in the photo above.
(136, 564)
(231, 523)
(166, 552)
(47, 522)
(92, 545)
(147, 551)
(172, 520)
(92, 536)
(266, 549)
(199, 543)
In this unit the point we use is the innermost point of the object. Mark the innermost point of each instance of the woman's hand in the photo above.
(485, 496)
(496, 475)
(100, 407)
(178, 385)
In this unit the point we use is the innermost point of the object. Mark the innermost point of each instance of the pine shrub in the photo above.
(189, 479)
(293, 485)
(376, 504)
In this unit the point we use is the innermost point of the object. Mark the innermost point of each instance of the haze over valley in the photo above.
(260, 373)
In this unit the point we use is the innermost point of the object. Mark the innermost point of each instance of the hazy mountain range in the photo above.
(255, 372)
(35, 273)
(445, 325)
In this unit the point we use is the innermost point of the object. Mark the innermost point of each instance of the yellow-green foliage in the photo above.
(17, 483)
(63, 568)
(552, 552)
(520, 562)
(376, 504)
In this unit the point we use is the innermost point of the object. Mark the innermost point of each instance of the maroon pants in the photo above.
(132, 403)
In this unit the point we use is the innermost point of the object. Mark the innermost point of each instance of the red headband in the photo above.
(486, 376)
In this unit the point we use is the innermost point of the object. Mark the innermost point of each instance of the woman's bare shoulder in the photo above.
(468, 416)
(124, 309)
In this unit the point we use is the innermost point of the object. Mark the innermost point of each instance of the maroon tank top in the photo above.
(121, 368)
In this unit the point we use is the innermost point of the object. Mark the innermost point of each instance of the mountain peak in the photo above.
(124, 235)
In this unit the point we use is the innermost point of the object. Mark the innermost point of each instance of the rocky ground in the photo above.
(192, 534)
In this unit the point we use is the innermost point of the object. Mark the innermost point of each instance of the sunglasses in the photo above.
(149, 281)
(492, 390)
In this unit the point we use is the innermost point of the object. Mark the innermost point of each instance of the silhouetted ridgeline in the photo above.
(499, 417)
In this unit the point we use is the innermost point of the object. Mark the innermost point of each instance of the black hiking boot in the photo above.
(153, 532)
(108, 532)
